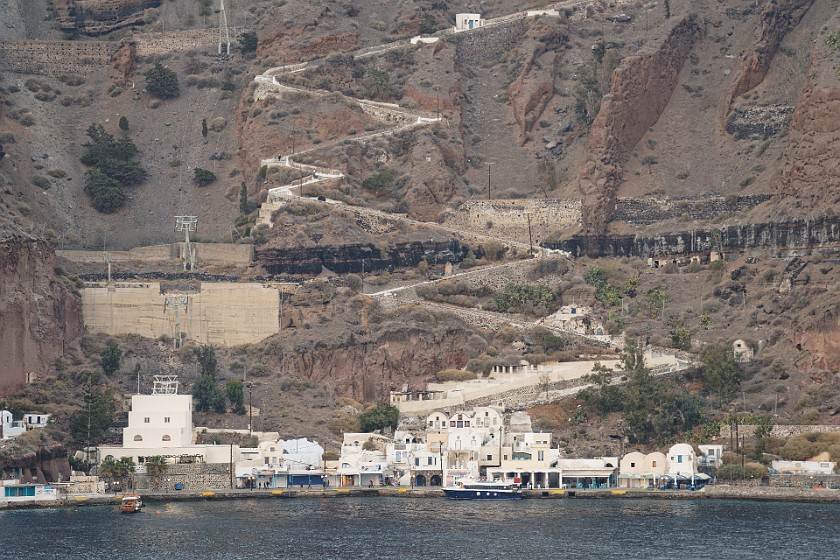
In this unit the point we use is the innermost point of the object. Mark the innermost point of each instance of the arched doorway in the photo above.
(420, 480)
(435, 480)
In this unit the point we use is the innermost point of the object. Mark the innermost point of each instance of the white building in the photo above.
(466, 22)
(710, 455)
(639, 470)
(8, 427)
(363, 461)
(160, 424)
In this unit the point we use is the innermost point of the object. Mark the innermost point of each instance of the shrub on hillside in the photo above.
(734, 471)
(162, 82)
(203, 177)
(455, 375)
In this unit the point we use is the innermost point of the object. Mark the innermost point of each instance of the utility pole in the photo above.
(488, 181)
(224, 31)
(187, 224)
(250, 413)
(530, 239)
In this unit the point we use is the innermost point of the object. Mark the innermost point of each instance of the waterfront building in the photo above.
(363, 462)
(639, 470)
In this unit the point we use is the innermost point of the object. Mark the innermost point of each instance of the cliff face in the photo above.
(811, 168)
(641, 88)
(40, 317)
(96, 17)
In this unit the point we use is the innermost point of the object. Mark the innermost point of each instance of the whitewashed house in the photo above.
(803, 467)
(466, 22)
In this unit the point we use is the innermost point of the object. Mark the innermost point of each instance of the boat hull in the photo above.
(482, 494)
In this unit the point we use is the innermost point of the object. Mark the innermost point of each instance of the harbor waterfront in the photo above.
(712, 492)
(377, 527)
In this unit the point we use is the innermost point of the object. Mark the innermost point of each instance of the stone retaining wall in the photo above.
(509, 218)
(642, 211)
(779, 430)
(197, 476)
(54, 58)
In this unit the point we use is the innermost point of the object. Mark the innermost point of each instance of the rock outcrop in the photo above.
(97, 17)
(641, 89)
(40, 316)
(533, 88)
(810, 175)
(777, 18)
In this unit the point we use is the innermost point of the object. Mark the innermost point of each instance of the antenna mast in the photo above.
(165, 385)
(224, 32)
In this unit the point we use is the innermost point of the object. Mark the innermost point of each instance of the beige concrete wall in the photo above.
(223, 314)
(224, 254)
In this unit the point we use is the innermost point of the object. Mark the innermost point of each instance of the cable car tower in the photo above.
(224, 32)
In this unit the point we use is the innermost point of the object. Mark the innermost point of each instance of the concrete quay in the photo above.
(713, 492)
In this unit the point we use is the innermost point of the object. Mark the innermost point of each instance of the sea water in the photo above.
(405, 528)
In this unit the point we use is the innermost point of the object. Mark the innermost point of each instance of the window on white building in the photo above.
(166, 419)
(266, 461)
(634, 464)
(417, 461)
(540, 455)
(489, 457)
(146, 420)
(428, 460)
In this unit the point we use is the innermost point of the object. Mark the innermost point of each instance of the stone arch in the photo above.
(435, 480)
(420, 480)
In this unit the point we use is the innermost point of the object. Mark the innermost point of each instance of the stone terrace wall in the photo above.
(509, 217)
(489, 43)
(643, 211)
(779, 430)
(53, 58)
(161, 42)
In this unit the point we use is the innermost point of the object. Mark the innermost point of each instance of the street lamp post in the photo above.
(250, 413)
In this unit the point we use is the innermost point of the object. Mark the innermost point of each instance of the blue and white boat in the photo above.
(480, 490)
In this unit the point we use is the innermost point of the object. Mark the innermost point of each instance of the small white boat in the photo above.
(482, 490)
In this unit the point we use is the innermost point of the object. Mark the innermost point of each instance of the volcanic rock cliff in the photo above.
(96, 17)
(39, 316)
(641, 88)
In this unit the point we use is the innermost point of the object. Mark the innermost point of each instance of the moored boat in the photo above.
(481, 490)
(131, 503)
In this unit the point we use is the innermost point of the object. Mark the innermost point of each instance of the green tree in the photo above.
(721, 374)
(162, 82)
(631, 286)
(94, 417)
(109, 359)
(248, 42)
(106, 194)
(204, 127)
(156, 467)
(657, 301)
(243, 199)
(680, 337)
(547, 175)
(379, 417)
(428, 25)
(379, 183)
(207, 360)
(236, 395)
(123, 123)
(203, 177)
(207, 395)
(123, 469)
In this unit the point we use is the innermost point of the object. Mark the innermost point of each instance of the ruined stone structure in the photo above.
(221, 314)
(53, 58)
(509, 218)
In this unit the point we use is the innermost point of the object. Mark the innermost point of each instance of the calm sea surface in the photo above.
(397, 528)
